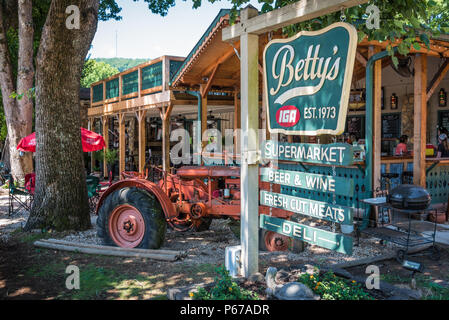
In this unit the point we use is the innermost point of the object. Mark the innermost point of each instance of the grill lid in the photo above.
(409, 196)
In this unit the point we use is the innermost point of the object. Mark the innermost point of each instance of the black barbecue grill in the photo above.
(409, 196)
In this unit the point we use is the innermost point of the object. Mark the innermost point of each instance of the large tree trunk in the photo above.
(18, 112)
(61, 195)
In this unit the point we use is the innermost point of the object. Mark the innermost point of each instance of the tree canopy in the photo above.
(412, 21)
(122, 64)
(94, 71)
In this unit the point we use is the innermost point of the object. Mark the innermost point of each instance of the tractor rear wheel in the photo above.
(131, 218)
(272, 241)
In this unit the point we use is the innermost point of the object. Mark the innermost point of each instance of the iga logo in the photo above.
(287, 116)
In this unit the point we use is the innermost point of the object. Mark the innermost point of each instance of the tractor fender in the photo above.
(166, 204)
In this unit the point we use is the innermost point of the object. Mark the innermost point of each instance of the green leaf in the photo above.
(416, 46)
(361, 35)
(395, 60)
(424, 38)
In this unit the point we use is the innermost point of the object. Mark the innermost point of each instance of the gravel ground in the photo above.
(9, 224)
(208, 246)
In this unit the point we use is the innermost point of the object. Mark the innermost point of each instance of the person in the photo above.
(443, 146)
(401, 148)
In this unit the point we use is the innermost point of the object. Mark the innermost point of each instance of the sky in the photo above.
(142, 34)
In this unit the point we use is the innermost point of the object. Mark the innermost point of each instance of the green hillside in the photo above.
(121, 63)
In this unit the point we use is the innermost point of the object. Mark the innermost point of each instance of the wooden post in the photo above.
(142, 139)
(377, 118)
(249, 183)
(121, 142)
(105, 122)
(91, 126)
(104, 91)
(165, 113)
(120, 85)
(203, 115)
(420, 120)
(165, 73)
(139, 81)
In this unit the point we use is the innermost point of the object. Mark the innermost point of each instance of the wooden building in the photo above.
(208, 80)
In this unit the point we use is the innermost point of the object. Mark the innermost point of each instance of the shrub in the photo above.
(225, 288)
(330, 287)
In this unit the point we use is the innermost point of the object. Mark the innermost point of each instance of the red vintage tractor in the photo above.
(135, 212)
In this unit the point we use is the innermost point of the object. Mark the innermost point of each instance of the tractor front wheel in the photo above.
(131, 218)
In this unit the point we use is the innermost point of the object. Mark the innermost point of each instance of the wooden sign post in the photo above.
(247, 31)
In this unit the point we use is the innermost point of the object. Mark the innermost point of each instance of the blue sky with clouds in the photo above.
(142, 34)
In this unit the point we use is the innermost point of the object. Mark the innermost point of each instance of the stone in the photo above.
(294, 291)
(288, 291)
(256, 277)
(281, 276)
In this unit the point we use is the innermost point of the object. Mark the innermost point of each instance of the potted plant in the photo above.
(98, 157)
(111, 158)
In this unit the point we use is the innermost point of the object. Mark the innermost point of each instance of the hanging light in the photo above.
(442, 98)
(394, 101)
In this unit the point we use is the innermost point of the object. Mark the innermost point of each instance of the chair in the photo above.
(93, 187)
(106, 184)
(30, 180)
(4, 173)
(19, 196)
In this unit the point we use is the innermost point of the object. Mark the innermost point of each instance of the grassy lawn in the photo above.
(27, 272)
(430, 288)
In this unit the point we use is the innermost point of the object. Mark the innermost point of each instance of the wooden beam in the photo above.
(121, 142)
(437, 78)
(142, 139)
(377, 118)
(139, 82)
(120, 86)
(296, 12)
(222, 82)
(420, 121)
(360, 58)
(104, 91)
(165, 73)
(205, 89)
(203, 116)
(165, 113)
(223, 58)
(91, 127)
(105, 125)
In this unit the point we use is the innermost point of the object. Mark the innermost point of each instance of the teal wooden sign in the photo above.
(329, 240)
(332, 154)
(307, 80)
(311, 208)
(309, 181)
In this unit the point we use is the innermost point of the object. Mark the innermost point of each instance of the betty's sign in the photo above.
(307, 80)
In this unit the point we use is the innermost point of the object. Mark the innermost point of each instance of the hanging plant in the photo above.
(413, 22)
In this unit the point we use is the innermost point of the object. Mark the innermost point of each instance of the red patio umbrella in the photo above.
(91, 141)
